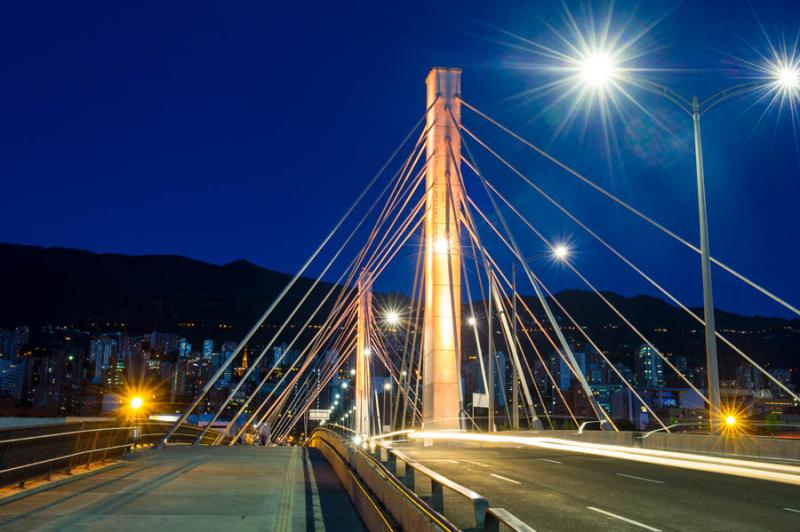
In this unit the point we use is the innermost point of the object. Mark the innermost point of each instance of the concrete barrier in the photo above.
(382, 501)
(736, 446)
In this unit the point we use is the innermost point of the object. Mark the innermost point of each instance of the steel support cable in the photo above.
(286, 425)
(279, 411)
(415, 355)
(286, 323)
(514, 354)
(558, 348)
(630, 208)
(339, 319)
(297, 307)
(506, 301)
(289, 285)
(592, 233)
(671, 366)
(630, 264)
(550, 316)
(337, 348)
(352, 268)
(334, 347)
(307, 394)
(401, 390)
(370, 265)
(602, 355)
(327, 330)
(394, 241)
(300, 332)
(536, 350)
(600, 352)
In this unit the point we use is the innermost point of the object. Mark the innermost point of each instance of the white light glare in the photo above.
(392, 317)
(788, 78)
(471, 321)
(597, 69)
(560, 251)
(441, 245)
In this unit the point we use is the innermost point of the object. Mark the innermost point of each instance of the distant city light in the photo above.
(471, 321)
(367, 352)
(344, 385)
(387, 386)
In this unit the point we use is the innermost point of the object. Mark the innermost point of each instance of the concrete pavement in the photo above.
(553, 490)
(195, 489)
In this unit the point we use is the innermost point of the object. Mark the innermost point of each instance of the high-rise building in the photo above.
(565, 375)
(649, 368)
(208, 349)
(184, 348)
(101, 351)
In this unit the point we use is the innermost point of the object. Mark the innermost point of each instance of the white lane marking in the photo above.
(551, 461)
(792, 510)
(474, 463)
(505, 478)
(641, 478)
(630, 521)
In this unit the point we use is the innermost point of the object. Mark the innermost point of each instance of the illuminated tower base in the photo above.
(442, 327)
(363, 355)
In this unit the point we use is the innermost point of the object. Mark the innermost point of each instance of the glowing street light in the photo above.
(392, 317)
(787, 78)
(560, 251)
(387, 386)
(730, 420)
(344, 385)
(597, 69)
(441, 245)
(471, 321)
(136, 402)
(352, 372)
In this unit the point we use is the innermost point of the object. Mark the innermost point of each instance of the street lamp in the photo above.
(597, 69)
(392, 318)
(471, 321)
(560, 251)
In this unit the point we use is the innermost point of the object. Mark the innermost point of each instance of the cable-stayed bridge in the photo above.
(406, 438)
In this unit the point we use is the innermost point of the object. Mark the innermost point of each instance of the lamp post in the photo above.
(598, 70)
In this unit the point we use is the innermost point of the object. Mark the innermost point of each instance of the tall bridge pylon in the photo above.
(441, 395)
(363, 354)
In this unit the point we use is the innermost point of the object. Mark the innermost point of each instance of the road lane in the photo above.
(557, 489)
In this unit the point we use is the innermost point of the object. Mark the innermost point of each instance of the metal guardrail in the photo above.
(439, 482)
(382, 455)
(497, 516)
(40, 450)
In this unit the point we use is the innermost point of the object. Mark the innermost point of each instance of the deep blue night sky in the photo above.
(234, 130)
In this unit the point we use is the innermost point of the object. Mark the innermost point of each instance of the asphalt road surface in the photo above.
(555, 490)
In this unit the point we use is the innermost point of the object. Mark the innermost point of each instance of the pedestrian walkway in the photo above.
(195, 489)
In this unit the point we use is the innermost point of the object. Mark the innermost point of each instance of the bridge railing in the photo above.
(376, 464)
(36, 451)
(438, 483)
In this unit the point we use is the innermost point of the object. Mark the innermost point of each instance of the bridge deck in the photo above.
(195, 488)
(555, 490)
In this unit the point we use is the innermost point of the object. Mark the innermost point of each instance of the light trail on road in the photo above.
(743, 468)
